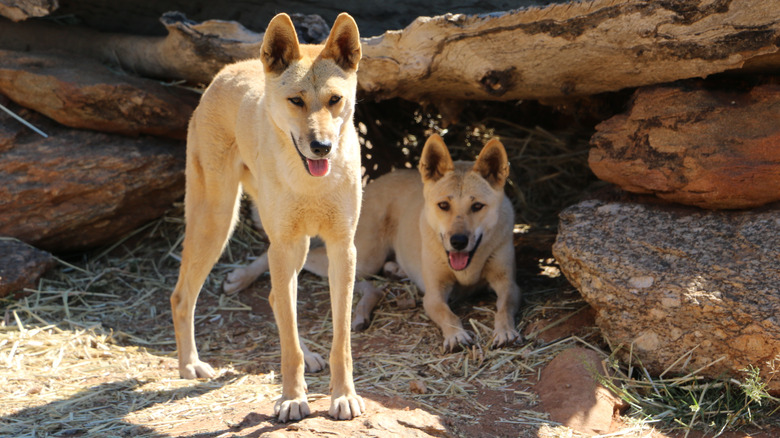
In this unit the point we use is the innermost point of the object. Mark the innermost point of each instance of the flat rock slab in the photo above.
(22, 265)
(687, 288)
(571, 393)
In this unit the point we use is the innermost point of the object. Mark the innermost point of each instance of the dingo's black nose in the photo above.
(459, 242)
(320, 148)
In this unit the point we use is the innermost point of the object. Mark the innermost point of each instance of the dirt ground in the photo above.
(91, 353)
(95, 353)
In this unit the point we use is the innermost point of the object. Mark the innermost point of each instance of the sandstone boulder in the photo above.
(82, 93)
(713, 148)
(687, 288)
(22, 265)
(78, 189)
(569, 390)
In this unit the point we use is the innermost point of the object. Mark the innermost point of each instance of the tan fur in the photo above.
(401, 216)
(244, 134)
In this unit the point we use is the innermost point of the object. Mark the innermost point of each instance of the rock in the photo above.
(22, 265)
(570, 392)
(78, 189)
(713, 148)
(20, 10)
(82, 93)
(688, 288)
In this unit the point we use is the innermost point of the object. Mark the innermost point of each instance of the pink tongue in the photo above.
(318, 167)
(459, 260)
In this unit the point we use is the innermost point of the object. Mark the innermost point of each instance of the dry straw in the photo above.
(90, 350)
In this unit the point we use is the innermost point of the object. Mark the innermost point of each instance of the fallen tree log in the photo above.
(564, 50)
(82, 93)
(191, 51)
(578, 48)
(19, 10)
(79, 189)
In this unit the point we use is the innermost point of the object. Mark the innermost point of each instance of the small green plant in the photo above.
(691, 402)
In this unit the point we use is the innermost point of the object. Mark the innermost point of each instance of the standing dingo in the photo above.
(281, 128)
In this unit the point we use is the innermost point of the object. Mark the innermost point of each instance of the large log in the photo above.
(562, 50)
(191, 51)
(79, 189)
(578, 48)
(82, 93)
(19, 10)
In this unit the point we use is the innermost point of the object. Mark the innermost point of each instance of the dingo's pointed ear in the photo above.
(492, 163)
(435, 161)
(280, 45)
(343, 44)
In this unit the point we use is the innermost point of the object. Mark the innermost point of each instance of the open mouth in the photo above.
(314, 167)
(460, 260)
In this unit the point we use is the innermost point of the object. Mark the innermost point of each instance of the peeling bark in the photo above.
(19, 10)
(564, 50)
(573, 49)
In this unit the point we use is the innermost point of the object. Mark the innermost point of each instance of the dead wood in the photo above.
(19, 10)
(578, 48)
(82, 93)
(80, 189)
(191, 51)
(562, 50)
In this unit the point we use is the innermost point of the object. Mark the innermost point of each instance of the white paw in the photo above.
(237, 280)
(393, 270)
(457, 340)
(347, 407)
(196, 370)
(291, 410)
(505, 337)
(314, 362)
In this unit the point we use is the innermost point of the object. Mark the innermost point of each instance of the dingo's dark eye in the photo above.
(477, 206)
(334, 100)
(444, 206)
(297, 101)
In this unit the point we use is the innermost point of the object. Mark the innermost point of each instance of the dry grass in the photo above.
(91, 350)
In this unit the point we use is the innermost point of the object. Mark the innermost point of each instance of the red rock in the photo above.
(78, 189)
(717, 149)
(22, 266)
(570, 392)
(83, 93)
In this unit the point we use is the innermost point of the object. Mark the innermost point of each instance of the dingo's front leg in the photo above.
(345, 403)
(436, 307)
(285, 260)
(500, 274)
(507, 303)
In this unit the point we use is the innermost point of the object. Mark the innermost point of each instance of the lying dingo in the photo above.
(448, 224)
